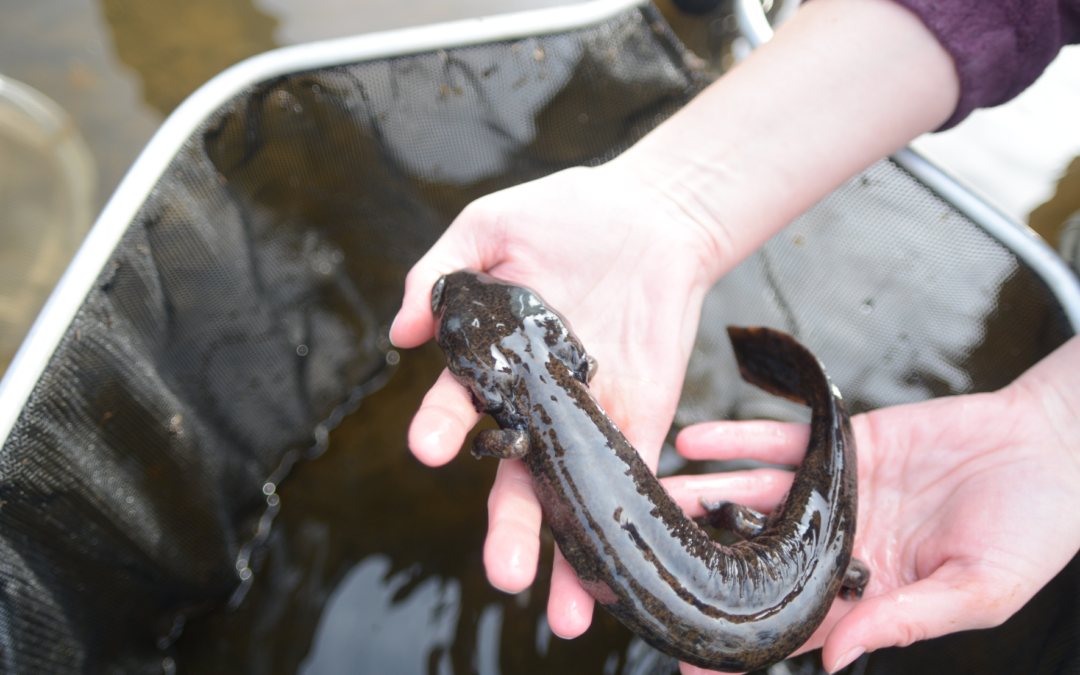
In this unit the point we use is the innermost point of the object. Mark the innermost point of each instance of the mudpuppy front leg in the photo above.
(855, 579)
(593, 366)
(501, 443)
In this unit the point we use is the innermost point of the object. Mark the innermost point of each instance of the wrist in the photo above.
(674, 214)
(1051, 388)
(841, 85)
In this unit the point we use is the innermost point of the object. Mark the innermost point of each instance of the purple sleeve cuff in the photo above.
(1000, 46)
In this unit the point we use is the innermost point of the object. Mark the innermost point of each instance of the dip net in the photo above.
(221, 331)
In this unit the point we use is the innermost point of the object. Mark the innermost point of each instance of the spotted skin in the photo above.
(729, 608)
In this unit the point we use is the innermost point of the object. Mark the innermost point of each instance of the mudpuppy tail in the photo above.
(775, 362)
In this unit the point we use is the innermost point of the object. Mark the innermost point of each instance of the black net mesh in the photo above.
(927, 305)
(243, 316)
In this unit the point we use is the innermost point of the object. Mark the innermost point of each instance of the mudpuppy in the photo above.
(730, 608)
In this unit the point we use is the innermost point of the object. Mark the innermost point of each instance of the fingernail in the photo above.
(845, 660)
(392, 324)
(500, 588)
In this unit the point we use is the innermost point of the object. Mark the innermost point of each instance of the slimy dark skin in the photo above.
(729, 608)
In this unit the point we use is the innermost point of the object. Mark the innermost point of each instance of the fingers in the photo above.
(463, 245)
(512, 550)
(442, 422)
(512, 547)
(570, 607)
(760, 489)
(950, 600)
(773, 442)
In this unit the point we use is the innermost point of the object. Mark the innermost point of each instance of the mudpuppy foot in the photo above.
(855, 580)
(501, 443)
(593, 366)
(744, 522)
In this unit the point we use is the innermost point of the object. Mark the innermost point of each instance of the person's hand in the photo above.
(629, 271)
(967, 505)
(627, 250)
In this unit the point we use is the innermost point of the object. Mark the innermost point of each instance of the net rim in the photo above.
(1012, 234)
(67, 298)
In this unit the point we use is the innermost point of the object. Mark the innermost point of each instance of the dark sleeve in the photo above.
(1000, 46)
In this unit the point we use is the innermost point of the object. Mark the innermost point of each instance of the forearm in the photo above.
(841, 85)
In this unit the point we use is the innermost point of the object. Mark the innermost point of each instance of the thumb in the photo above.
(954, 598)
(414, 323)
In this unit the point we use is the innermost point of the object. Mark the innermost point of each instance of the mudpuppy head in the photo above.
(494, 332)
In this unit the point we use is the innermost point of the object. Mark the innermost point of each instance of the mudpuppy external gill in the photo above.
(731, 608)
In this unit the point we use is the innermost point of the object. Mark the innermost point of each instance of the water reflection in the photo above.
(488, 633)
(366, 622)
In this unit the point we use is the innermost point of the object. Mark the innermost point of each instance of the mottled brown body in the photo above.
(725, 608)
